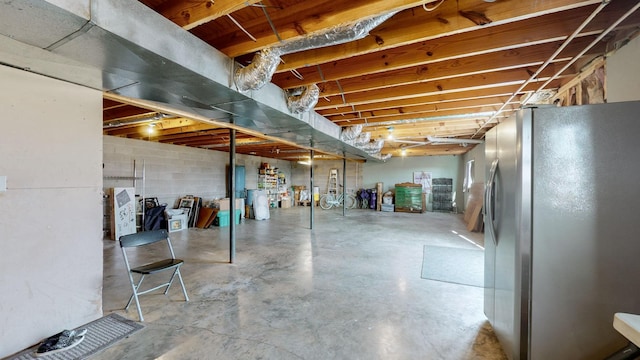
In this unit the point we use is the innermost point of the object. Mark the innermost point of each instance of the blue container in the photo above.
(222, 219)
(250, 193)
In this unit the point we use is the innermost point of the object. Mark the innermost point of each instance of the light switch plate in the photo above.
(3, 183)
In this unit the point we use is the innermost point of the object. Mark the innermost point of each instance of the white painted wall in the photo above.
(623, 73)
(50, 151)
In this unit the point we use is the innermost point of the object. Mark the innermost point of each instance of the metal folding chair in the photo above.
(142, 239)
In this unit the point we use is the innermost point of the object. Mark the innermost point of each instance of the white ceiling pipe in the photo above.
(454, 140)
(549, 60)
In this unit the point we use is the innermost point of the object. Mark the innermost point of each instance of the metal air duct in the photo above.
(113, 46)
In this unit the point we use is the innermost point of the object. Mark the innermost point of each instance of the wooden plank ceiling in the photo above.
(435, 69)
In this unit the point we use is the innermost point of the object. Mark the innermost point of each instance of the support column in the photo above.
(232, 195)
(344, 185)
(312, 203)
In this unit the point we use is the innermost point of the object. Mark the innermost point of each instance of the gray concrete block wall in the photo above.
(173, 171)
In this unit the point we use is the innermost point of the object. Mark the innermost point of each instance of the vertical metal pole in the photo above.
(344, 185)
(312, 202)
(232, 195)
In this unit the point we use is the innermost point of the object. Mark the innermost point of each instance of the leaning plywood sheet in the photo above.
(475, 218)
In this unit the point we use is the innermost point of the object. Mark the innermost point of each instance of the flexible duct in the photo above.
(266, 61)
(373, 147)
(259, 72)
(363, 139)
(336, 35)
(349, 134)
(299, 102)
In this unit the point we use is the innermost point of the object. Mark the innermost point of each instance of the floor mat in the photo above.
(453, 265)
(101, 333)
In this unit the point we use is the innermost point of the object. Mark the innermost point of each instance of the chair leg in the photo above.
(138, 307)
(135, 296)
(184, 290)
(166, 290)
(135, 290)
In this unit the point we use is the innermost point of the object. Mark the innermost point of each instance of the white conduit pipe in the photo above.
(544, 65)
(433, 118)
(593, 43)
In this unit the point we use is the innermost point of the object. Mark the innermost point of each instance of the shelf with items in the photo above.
(274, 183)
(269, 183)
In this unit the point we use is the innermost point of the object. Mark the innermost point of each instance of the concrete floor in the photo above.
(349, 289)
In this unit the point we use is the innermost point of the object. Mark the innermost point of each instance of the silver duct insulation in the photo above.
(363, 139)
(266, 61)
(259, 72)
(305, 100)
(373, 147)
(382, 157)
(336, 35)
(349, 134)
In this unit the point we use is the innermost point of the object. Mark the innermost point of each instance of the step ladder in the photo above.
(332, 185)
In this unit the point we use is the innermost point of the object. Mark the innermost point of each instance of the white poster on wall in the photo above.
(423, 178)
(123, 220)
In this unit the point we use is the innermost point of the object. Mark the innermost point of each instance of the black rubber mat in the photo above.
(101, 333)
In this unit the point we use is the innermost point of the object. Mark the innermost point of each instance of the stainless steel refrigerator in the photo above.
(562, 229)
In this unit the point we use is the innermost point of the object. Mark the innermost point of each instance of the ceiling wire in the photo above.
(344, 101)
(242, 28)
(297, 74)
(321, 73)
(273, 27)
(424, 6)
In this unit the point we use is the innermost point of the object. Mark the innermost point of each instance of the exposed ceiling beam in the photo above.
(415, 25)
(189, 14)
(308, 17)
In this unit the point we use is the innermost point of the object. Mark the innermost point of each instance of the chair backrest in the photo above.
(144, 238)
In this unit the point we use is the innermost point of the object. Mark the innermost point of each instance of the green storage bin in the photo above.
(222, 219)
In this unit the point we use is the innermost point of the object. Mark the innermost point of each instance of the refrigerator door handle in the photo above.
(489, 200)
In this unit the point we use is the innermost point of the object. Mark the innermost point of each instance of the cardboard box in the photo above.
(225, 205)
(285, 202)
